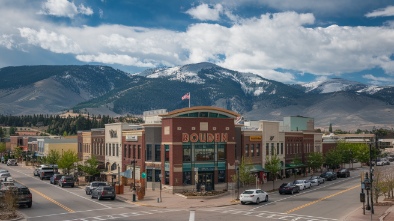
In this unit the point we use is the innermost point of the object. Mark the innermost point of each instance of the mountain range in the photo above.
(348, 105)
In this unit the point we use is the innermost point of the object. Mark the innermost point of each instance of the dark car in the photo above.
(102, 192)
(93, 185)
(22, 194)
(288, 188)
(66, 181)
(329, 175)
(55, 178)
(343, 173)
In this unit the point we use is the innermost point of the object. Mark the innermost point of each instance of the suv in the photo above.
(93, 185)
(12, 162)
(66, 181)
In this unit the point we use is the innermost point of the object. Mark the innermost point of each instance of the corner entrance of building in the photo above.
(205, 181)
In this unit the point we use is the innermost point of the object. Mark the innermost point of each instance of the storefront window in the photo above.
(221, 152)
(187, 153)
(257, 149)
(221, 176)
(167, 179)
(149, 175)
(204, 152)
(187, 178)
(157, 175)
(247, 150)
(252, 150)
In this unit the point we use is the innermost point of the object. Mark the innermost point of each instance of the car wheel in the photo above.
(243, 203)
(99, 197)
(29, 205)
(292, 192)
(266, 199)
(72, 186)
(61, 185)
(257, 200)
(113, 198)
(92, 196)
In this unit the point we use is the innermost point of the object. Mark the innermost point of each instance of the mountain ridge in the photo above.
(104, 90)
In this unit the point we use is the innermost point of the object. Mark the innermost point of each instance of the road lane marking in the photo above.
(49, 199)
(321, 199)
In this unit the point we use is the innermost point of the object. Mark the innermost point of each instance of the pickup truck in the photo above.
(46, 172)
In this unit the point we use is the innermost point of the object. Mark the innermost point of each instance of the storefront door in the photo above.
(205, 181)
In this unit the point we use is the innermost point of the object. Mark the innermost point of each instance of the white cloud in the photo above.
(379, 80)
(64, 8)
(116, 59)
(388, 11)
(6, 41)
(206, 12)
(50, 40)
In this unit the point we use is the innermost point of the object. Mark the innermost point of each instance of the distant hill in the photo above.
(104, 90)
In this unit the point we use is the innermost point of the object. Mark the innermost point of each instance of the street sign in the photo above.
(143, 175)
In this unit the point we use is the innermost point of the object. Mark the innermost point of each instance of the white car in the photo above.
(319, 179)
(314, 182)
(307, 184)
(253, 196)
(300, 183)
(380, 163)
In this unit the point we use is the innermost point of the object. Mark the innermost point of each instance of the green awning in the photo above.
(257, 168)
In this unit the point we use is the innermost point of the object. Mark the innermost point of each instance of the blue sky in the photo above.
(291, 41)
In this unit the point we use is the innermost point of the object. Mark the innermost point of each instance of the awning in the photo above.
(257, 168)
(292, 165)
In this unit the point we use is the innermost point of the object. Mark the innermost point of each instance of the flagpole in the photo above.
(189, 99)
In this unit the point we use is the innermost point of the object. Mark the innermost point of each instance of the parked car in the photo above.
(288, 188)
(102, 192)
(55, 178)
(329, 175)
(314, 182)
(44, 167)
(300, 183)
(3, 171)
(23, 193)
(66, 181)
(319, 179)
(3, 176)
(253, 196)
(93, 185)
(12, 162)
(380, 163)
(343, 173)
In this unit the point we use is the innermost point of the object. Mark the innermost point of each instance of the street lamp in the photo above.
(367, 184)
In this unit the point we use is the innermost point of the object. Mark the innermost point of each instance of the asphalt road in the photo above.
(330, 201)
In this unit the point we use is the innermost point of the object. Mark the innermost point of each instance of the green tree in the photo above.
(90, 166)
(245, 176)
(17, 152)
(272, 164)
(315, 160)
(66, 162)
(12, 130)
(53, 157)
(3, 148)
(333, 158)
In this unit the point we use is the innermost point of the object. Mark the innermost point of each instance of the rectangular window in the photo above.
(258, 149)
(167, 153)
(157, 153)
(252, 150)
(277, 148)
(204, 152)
(281, 148)
(187, 153)
(267, 149)
(221, 152)
(167, 178)
(117, 150)
(149, 152)
(157, 175)
(272, 148)
(187, 178)
(139, 152)
(125, 150)
(149, 175)
(246, 150)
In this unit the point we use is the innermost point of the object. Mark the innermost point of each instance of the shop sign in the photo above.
(131, 138)
(204, 137)
(255, 138)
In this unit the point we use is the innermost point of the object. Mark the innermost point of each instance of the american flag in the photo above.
(186, 96)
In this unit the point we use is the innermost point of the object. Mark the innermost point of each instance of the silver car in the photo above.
(93, 185)
(102, 192)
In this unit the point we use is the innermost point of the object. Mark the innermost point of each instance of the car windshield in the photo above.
(108, 188)
(298, 181)
(286, 184)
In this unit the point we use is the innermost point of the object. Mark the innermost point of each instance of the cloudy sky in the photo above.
(290, 41)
